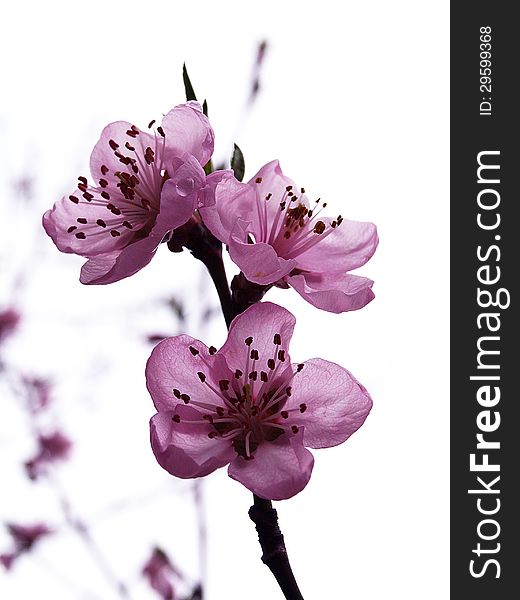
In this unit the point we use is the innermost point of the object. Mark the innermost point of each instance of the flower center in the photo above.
(251, 401)
(294, 227)
(131, 195)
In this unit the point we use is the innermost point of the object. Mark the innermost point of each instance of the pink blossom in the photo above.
(9, 320)
(145, 186)
(277, 238)
(24, 538)
(38, 391)
(52, 448)
(248, 406)
(159, 571)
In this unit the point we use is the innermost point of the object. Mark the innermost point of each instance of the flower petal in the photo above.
(184, 449)
(187, 129)
(74, 228)
(172, 365)
(336, 403)
(104, 162)
(273, 182)
(334, 293)
(348, 247)
(279, 469)
(114, 266)
(259, 262)
(260, 321)
(226, 200)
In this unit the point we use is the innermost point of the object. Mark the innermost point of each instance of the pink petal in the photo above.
(348, 247)
(279, 469)
(187, 179)
(184, 449)
(172, 365)
(273, 182)
(103, 155)
(226, 200)
(187, 129)
(335, 293)
(114, 266)
(259, 262)
(262, 322)
(65, 214)
(336, 403)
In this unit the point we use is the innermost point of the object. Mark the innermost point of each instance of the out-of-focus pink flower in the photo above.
(24, 538)
(144, 187)
(52, 448)
(277, 238)
(161, 573)
(247, 405)
(38, 391)
(9, 320)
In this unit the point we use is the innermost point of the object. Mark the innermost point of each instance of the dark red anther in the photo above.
(177, 393)
(101, 223)
(74, 199)
(248, 341)
(104, 169)
(185, 398)
(113, 145)
(81, 235)
(194, 350)
(114, 233)
(82, 220)
(176, 419)
(201, 376)
(71, 229)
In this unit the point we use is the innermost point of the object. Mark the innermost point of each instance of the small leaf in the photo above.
(237, 163)
(190, 92)
(205, 107)
(208, 167)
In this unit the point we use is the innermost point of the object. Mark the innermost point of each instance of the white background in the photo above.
(354, 103)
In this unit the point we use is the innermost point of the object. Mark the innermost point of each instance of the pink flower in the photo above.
(9, 320)
(52, 448)
(277, 238)
(144, 187)
(24, 538)
(248, 406)
(159, 571)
